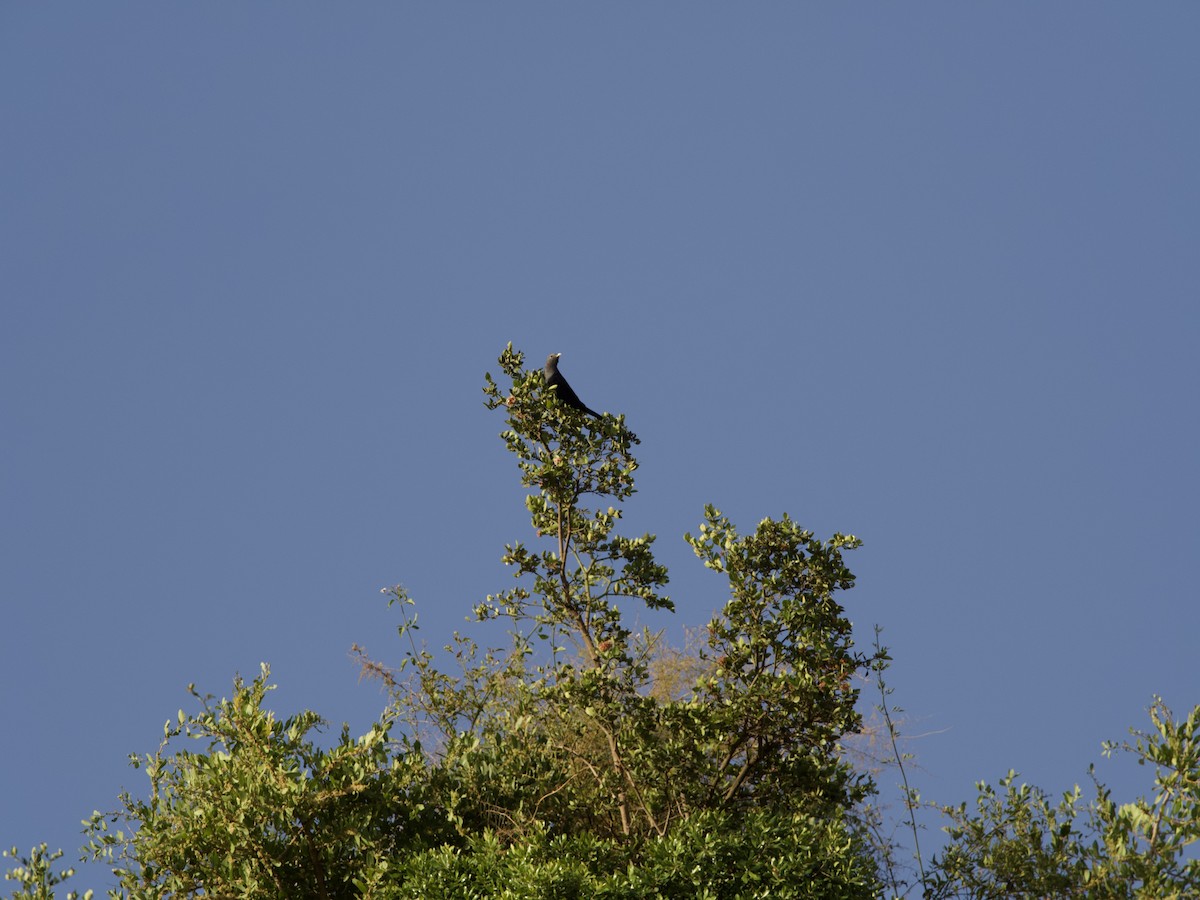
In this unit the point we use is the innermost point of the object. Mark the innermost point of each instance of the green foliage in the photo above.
(1017, 842)
(764, 856)
(582, 727)
(259, 811)
(581, 759)
(36, 877)
(578, 758)
(596, 746)
(535, 869)
(555, 766)
(575, 757)
(758, 855)
(781, 693)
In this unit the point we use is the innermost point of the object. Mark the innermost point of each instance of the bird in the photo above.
(554, 379)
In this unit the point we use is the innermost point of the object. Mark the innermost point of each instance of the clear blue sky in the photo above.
(922, 273)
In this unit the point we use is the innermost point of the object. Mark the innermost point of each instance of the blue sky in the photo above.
(925, 274)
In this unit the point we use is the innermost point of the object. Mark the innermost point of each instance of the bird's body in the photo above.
(563, 390)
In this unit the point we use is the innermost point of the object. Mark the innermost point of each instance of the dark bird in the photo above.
(555, 380)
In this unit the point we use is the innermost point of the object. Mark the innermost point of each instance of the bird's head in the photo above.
(552, 363)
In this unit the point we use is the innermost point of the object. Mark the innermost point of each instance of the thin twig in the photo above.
(896, 754)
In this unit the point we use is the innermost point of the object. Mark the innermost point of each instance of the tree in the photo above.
(1017, 842)
(564, 733)
(259, 811)
(576, 758)
(36, 876)
(552, 763)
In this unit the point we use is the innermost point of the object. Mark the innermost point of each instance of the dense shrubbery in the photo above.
(585, 760)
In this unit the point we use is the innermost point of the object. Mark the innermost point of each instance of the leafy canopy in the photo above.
(575, 757)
